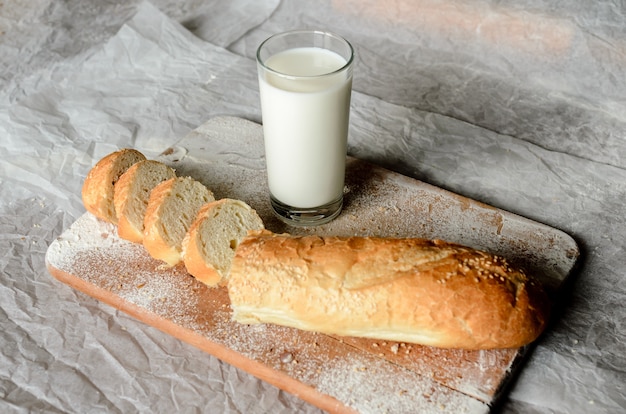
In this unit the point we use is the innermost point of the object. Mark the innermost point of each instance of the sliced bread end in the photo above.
(132, 193)
(98, 188)
(209, 246)
(172, 207)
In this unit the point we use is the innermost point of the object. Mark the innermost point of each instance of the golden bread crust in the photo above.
(408, 290)
(98, 188)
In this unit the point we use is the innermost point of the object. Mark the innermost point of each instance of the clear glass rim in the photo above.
(312, 32)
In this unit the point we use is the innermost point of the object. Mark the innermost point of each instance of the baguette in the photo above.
(131, 195)
(98, 187)
(407, 290)
(209, 246)
(172, 207)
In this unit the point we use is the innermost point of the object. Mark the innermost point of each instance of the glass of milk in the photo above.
(305, 80)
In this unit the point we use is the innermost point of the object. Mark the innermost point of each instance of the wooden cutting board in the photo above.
(337, 374)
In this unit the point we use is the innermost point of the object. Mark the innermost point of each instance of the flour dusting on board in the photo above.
(87, 233)
(370, 385)
(92, 249)
(360, 380)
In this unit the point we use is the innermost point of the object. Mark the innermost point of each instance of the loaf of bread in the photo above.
(210, 243)
(131, 195)
(406, 290)
(172, 208)
(98, 187)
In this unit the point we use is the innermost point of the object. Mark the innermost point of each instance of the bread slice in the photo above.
(210, 244)
(98, 187)
(172, 207)
(131, 195)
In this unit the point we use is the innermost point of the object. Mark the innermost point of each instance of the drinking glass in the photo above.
(305, 82)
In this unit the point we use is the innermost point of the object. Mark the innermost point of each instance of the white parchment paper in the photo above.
(517, 104)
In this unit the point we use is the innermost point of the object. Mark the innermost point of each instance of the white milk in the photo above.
(305, 125)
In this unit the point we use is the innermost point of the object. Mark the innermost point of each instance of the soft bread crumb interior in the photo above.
(124, 163)
(148, 176)
(180, 208)
(221, 233)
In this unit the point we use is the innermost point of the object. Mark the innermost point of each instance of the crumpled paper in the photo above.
(145, 87)
(443, 93)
